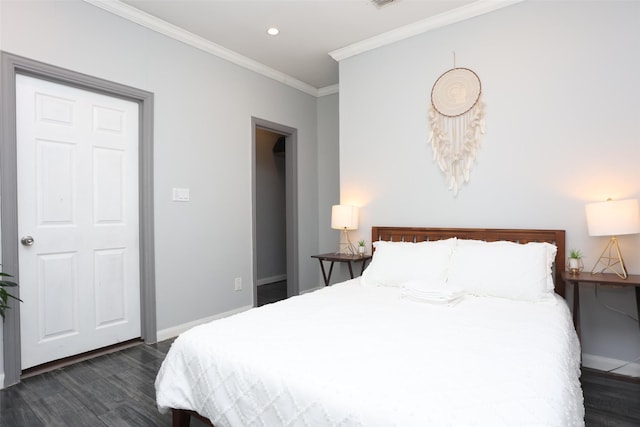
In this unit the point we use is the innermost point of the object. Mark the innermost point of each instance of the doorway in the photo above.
(12, 66)
(274, 194)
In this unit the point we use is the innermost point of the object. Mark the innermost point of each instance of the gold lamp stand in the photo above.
(611, 260)
(345, 218)
(346, 247)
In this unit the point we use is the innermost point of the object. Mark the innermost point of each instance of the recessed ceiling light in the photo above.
(273, 31)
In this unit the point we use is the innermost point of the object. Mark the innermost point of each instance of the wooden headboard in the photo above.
(420, 234)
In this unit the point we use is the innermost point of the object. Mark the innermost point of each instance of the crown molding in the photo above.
(328, 90)
(471, 10)
(148, 21)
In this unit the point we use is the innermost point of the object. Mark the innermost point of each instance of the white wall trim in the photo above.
(312, 289)
(471, 10)
(1, 380)
(605, 364)
(328, 90)
(272, 279)
(174, 331)
(144, 19)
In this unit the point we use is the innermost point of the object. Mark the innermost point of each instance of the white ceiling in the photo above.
(309, 29)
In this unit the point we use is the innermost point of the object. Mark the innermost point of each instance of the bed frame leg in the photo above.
(181, 418)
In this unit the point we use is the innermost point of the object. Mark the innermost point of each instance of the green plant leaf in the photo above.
(575, 254)
(4, 295)
(7, 283)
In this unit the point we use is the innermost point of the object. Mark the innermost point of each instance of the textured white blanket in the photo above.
(349, 355)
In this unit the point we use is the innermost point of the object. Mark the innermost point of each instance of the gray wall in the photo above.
(328, 169)
(270, 209)
(329, 180)
(203, 111)
(562, 114)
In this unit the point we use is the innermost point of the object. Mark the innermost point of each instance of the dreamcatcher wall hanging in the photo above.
(456, 119)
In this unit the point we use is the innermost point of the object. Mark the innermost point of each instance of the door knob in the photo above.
(27, 240)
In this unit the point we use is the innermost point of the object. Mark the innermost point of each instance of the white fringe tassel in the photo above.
(455, 142)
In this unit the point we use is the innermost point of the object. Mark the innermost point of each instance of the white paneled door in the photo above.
(77, 154)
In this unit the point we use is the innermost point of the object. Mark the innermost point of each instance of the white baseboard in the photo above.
(606, 364)
(1, 381)
(306, 291)
(174, 331)
(272, 279)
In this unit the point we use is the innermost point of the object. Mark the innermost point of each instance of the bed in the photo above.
(444, 327)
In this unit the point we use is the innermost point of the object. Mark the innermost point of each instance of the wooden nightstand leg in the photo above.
(329, 277)
(324, 275)
(350, 269)
(364, 262)
(576, 307)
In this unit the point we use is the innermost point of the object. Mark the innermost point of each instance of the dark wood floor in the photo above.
(272, 292)
(610, 401)
(110, 390)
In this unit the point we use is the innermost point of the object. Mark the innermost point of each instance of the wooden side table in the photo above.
(605, 279)
(332, 257)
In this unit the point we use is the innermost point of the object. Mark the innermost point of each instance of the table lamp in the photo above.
(612, 218)
(344, 218)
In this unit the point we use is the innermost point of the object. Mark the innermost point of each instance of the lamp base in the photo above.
(346, 247)
(609, 261)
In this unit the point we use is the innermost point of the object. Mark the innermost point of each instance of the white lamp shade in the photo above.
(344, 217)
(613, 218)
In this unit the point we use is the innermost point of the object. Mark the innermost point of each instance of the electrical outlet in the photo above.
(238, 284)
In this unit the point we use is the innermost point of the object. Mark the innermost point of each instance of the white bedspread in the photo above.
(349, 355)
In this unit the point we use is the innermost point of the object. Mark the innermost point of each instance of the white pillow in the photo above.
(503, 269)
(395, 263)
(551, 258)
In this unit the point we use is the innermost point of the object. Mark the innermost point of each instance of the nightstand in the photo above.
(333, 258)
(605, 279)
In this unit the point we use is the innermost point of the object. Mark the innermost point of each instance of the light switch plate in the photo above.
(180, 194)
